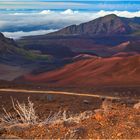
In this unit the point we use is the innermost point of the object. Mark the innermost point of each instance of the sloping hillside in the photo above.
(127, 47)
(95, 71)
(15, 61)
(11, 53)
(107, 25)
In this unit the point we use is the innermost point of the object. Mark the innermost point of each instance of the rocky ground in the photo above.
(109, 120)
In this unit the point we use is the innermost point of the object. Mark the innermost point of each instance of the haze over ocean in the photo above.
(32, 17)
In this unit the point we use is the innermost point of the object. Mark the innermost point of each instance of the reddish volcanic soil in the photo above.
(125, 54)
(120, 47)
(94, 71)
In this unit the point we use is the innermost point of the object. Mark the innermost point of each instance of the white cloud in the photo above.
(46, 12)
(69, 12)
(19, 34)
(2, 23)
(120, 13)
(23, 24)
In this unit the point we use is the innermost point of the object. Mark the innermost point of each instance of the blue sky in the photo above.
(128, 5)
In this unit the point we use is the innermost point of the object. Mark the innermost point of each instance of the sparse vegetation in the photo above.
(33, 56)
(63, 116)
(25, 114)
(22, 114)
(111, 121)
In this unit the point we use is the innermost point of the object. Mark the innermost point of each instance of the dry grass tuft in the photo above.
(22, 113)
(63, 116)
(25, 114)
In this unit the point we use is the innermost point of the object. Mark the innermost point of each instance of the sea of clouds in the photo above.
(16, 25)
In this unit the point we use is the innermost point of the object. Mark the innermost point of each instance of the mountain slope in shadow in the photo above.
(16, 61)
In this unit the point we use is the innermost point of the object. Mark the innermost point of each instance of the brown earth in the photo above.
(120, 48)
(9, 72)
(125, 54)
(121, 121)
(93, 72)
(46, 103)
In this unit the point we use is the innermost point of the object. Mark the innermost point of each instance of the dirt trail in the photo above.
(61, 93)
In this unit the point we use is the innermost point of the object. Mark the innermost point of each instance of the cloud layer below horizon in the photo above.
(16, 25)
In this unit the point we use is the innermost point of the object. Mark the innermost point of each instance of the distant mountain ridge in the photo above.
(107, 25)
(94, 37)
